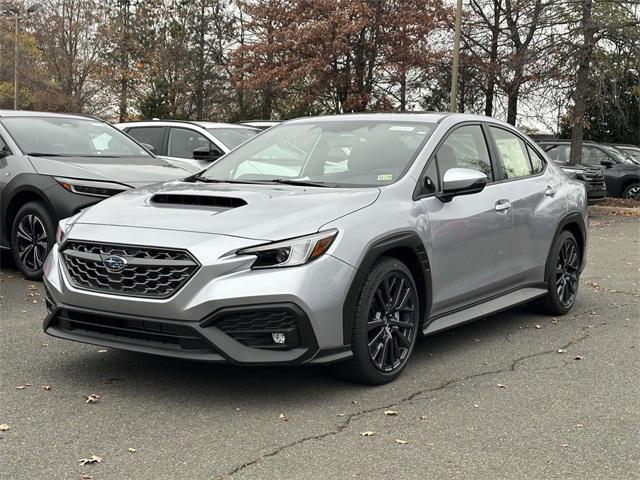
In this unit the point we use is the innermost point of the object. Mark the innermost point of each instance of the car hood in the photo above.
(133, 171)
(260, 212)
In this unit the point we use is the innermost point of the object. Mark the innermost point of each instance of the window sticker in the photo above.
(387, 177)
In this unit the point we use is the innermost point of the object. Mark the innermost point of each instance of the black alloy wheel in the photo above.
(567, 272)
(386, 324)
(393, 321)
(32, 236)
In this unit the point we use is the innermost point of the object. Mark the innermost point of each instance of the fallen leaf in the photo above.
(32, 287)
(93, 398)
(367, 434)
(561, 350)
(103, 350)
(86, 477)
(22, 387)
(44, 344)
(4, 427)
(475, 405)
(579, 425)
(341, 414)
(538, 326)
(400, 441)
(578, 357)
(354, 401)
(283, 417)
(476, 340)
(423, 417)
(500, 385)
(46, 387)
(92, 459)
(564, 445)
(131, 450)
(390, 413)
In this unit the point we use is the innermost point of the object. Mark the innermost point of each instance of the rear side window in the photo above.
(182, 142)
(150, 135)
(465, 148)
(512, 153)
(537, 164)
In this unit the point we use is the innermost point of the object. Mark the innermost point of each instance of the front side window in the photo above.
(70, 137)
(182, 142)
(150, 135)
(340, 153)
(465, 148)
(512, 153)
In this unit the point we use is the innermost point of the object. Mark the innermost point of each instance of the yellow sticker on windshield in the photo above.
(386, 177)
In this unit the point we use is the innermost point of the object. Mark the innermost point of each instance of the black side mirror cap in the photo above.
(606, 163)
(208, 154)
(149, 147)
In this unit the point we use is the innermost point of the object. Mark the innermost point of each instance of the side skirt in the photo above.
(484, 309)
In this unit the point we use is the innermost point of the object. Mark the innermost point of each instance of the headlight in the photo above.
(91, 187)
(293, 252)
(64, 226)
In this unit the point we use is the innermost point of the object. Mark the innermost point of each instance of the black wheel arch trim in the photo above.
(421, 271)
(574, 218)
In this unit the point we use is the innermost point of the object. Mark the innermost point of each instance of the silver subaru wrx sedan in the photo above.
(336, 239)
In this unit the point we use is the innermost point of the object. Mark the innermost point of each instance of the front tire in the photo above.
(32, 237)
(632, 192)
(562, 276)
(386, 325)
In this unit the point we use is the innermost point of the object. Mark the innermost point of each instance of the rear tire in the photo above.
(386, 325)
(32, 237)
(562, 276)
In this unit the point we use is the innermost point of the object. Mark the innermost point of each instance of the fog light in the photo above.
(279, 338)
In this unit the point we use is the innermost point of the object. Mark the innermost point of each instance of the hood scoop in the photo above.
(197, 200)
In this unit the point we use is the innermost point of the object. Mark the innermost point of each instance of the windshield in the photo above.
(633, 153)
(232, 137)
(340, 153)
(617, 154)
(70, 137)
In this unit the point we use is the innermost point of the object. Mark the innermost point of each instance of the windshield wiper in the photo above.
(302, 183)
(200, 178)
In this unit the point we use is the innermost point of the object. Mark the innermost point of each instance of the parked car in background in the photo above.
(336, 239)
(54, 165)
(621, 175)
(592, 177)
(198, 143)
(261, 124)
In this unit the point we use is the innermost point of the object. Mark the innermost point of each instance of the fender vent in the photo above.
(198, 200)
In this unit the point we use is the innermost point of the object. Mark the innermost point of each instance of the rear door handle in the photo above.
(550, 191)
(503, 205)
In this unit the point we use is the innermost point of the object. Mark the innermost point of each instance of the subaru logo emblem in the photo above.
(113, 263)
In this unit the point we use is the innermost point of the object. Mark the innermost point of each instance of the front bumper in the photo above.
(185, 324)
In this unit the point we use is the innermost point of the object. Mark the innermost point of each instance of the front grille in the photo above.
(594, 178)
(147, 272)
(140, 332)
(253, 328)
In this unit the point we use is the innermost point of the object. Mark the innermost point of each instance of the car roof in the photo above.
(150, 123)
(29, 113)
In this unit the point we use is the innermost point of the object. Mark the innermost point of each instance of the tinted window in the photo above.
(512, 154)
(465, 148)
(537, 164)
(183, 142)
(338, 152)
(232, 137)
(593, 156)
(150, 135)
(73, 137)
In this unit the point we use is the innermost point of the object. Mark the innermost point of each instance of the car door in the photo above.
(532, 192)
(470, 239)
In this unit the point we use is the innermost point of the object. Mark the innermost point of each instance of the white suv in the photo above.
(197, 143)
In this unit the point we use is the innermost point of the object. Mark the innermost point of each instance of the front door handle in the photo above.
(503, 205)
(550, 191)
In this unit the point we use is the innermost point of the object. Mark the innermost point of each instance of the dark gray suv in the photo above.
(54, 165)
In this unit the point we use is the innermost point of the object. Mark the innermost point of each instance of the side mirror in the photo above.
(461, 181)
(207, 154)
(606, 163)
(149, 147)
(4, 152)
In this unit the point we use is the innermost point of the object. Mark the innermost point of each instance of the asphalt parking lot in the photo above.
(516, 395)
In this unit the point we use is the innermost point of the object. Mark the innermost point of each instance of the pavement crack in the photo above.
(356, 415)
